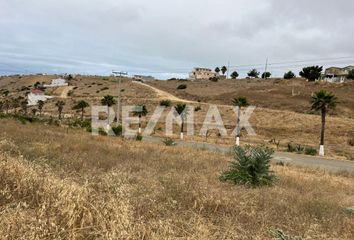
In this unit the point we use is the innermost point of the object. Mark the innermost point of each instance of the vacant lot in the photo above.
(290, 95)
(281, 123)
(66, 184)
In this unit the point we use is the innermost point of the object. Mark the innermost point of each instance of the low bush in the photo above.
(165, 103)
(351, 142)
(139, 137)
(251, 166)
(169, 142)
(182, 86)
(118, 130)
(293, 147)
(310, 151)
(102, 132)
(198, 108)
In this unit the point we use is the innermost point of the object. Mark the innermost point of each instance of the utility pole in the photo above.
(266, 69)
(120, 74)
(228, 70)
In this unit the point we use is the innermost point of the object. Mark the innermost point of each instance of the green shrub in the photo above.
(351, 142)
(182, 86)
(102, 132)
(118, 130)
(165, 103)
(169, 142)
(251, 166)
(139, 137)
(310, 151)
(293, 147)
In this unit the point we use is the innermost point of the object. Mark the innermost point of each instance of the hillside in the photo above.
(272, 121)
(66, 184)
(271, 93)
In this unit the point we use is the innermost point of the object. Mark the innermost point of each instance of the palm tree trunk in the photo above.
(182, 130)
(139, 131)
(107, 117)
(323, 127)
(238, 130)
(82, 114)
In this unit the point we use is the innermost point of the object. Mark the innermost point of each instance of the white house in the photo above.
(59, 82)
(202, 73)
(36, 95)
(336, 74)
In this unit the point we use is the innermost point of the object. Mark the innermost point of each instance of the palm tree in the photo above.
(40, 106)
(223, 70)
(60, 105)
(239, 103)
(217, 70)
(323, 101)
(140, 111)
(80, 106)
(108, 101)
(182, 111)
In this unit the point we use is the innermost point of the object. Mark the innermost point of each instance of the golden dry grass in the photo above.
(70, 185)
(282, 116)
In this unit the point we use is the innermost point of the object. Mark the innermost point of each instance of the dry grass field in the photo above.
(271, 93)
(278, 116)
(58, 183)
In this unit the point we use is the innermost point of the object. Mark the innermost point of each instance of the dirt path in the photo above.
(65, 92)
(294, 159)
(162, 95)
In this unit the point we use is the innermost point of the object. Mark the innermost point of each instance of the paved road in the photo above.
(294, 159)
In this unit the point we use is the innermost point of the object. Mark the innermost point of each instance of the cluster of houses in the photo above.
(37, 94)
(332, 74)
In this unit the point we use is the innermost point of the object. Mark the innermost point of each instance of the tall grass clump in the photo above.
(251, 166)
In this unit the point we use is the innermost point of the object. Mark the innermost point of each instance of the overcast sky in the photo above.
(167, 38)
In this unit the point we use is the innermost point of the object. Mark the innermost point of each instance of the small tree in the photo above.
(1, 106)
(182, 111)
(140, 111)
(15, 103)
(234, 75)
(251, 166)
(266, 75)
(322, 101)
(34, 111)
(289, 75)
(7, 105)
(311, 73)
(217, 70)
(60, 105)
(239, 103)
(24, 106)
(351, 75)
(80, 106)
(253, 73)
(223, 70)
(40, 106)
(108, 101)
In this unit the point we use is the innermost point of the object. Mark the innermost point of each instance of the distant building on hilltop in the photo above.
(336, 74)
(59, 82)
(143, 78)
(202, 73)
